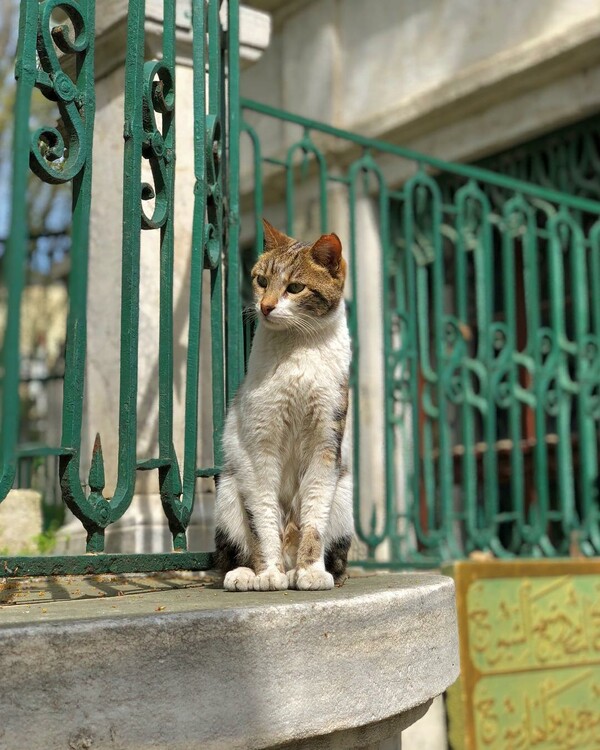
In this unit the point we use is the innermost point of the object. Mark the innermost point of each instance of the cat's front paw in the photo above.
(239, 579)
(271, 579)
(311, 579)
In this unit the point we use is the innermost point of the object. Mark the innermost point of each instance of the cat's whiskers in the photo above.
(250, 312)
(313, 324)
(303, 327)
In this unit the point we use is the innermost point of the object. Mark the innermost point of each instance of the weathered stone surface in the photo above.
(218, 671)
(20, 521)
(448, 77)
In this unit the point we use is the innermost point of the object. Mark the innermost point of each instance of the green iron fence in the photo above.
(56, 56)
(489, 297)
(567, 159)
(474, 305)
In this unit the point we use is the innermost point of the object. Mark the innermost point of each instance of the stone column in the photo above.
(143, 528)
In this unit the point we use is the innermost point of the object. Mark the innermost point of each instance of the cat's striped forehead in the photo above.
(317, 267)
(284, 261)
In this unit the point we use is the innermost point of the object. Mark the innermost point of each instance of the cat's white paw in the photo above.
(310, 579)
(239, 579)
(271, 579)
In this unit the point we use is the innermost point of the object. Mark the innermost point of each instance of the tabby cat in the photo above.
(284, 498)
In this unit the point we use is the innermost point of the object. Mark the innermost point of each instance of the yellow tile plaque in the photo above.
(530, 655)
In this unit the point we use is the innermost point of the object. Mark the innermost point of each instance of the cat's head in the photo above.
(297, 285)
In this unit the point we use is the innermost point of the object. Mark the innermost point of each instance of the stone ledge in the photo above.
(202, 668)
(111, 34)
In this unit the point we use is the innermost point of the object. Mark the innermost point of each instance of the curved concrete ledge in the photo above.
(190, 668)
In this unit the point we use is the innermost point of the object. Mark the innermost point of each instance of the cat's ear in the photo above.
(327, 252)
(273, 237)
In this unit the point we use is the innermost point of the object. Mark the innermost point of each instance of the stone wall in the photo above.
(452, 78)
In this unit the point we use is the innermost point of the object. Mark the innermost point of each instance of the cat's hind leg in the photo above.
(340, 530)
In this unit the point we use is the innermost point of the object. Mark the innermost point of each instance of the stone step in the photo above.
(189, 666)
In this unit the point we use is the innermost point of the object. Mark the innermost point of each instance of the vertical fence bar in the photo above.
(535, 530)
(248, 321)
(235, 333)
(363, 168)
(415, 482)
(133, 191)
(591, 391)
(257, 184)
(391, 504)
(354, 369)
(160, 147)
(91, 511)
(214, 255)
(586, 353)
(561, 394)
(16, 248)
(460, 384)
(197, 255)
(445, 471)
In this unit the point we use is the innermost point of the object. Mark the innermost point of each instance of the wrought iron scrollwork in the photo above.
(57, 154)
(159, 97)
(214, 194)
(423, 248)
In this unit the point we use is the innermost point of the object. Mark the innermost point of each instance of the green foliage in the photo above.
(46, 541)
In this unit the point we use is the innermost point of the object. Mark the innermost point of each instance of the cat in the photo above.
(284, 497)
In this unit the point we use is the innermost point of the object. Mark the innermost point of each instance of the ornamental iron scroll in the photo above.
(56, 155)
(159, 97)
(214, 192)
(59, 153)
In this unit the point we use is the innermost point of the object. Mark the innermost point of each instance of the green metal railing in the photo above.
(482, 399)
(567, 160)
(490, 306)
(56, 56)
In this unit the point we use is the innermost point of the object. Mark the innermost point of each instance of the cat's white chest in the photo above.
(288, 388)
(294, 381)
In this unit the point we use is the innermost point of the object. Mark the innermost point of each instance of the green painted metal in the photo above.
(565, 160)
(489, 303)
(66, 156)
(490, 346)
(97, 564)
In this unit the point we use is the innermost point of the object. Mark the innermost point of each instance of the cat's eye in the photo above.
(295, 288)
(261, 281)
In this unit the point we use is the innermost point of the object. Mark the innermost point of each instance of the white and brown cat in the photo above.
(284, 498)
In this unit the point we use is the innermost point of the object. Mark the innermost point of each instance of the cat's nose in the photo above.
(266, 309)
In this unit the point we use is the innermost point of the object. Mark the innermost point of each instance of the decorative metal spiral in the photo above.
(502, 389)
(58, 153)
(473, 217)
(214, 196)
(159, 96)
(455, 387)
(551, 399)
(422, 203)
